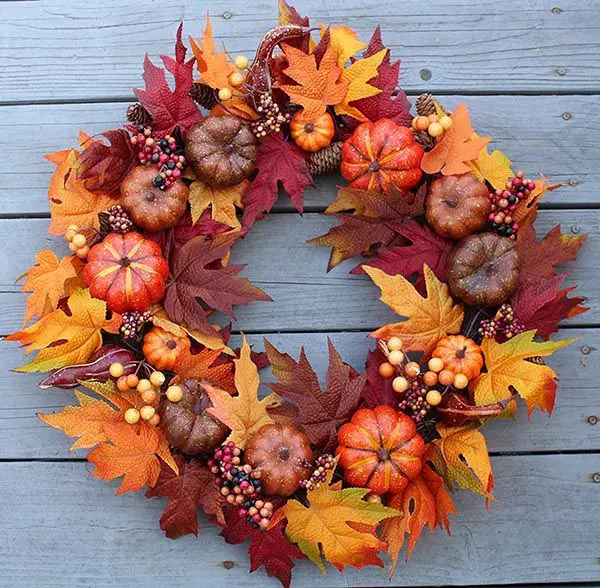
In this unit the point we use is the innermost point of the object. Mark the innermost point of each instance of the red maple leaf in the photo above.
(169, 108)
(280, 161)
(267, 548)
(319, 412)
(193, 487)
(378, 390)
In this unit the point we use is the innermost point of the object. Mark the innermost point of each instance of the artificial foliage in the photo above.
(352, 470)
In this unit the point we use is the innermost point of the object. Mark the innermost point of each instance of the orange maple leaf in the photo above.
(318, 86)
(200, 366)
(457, 147)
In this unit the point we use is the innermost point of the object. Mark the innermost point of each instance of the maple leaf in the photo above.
(194, 276)
(429, 318)
(338, 524)
(49, 280)
(318, 85)
(461, 457)
(194, 486)
(377, 390)
(213, 65)
(344, 42)
(244, 414)
(493, 168)
(103, 167)
(457, 147)
(67, 339)
(268, 548)
(169, 108)
(280, 161)
(508, 369)
(221, 199)
(287, 14)
(527, 209)
(320, 412)
(426, 248)
(202, 366)
(70, 201)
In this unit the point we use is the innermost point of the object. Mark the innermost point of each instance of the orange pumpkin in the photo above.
(380, 449)
(382, 156)
(127, 271)
(312, 135)
(460, 355)
(162, 349)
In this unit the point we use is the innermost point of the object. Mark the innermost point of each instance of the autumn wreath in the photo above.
(150, 213)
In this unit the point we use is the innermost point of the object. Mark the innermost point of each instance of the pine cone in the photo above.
(326, 160)
(204, 95)
(537, 360)
(138, 115)
(425, 104)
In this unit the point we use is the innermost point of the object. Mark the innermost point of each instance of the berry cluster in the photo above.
(118, 219)
(322, 464)
(271, 117)
(236, 78)
(434, 125)
(164, 153)
(504, 324)
(79, 241)
(240, 485)
(132, 323)
(504, 204)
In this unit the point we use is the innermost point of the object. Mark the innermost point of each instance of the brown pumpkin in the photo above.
(148, 206)
(162, 349)
(457, 206)
(281, 453)
(221, 150)
(312, 135)
(483, 270)
(460, 355)
(189, 427)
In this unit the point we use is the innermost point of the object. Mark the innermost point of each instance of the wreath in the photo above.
(151, 212)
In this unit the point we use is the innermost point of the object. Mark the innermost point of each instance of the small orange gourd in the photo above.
(460, 355)
(312, 135)
(162, 349)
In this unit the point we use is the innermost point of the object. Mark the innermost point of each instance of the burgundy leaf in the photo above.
(377, 390)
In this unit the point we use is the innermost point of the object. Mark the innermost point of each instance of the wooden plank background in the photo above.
(529, 72)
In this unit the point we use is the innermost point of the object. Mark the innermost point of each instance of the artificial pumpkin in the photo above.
(382, 156)
(380, 449)
(283, 456)
(312, 135)
(460, 355)
(148, 206)
(189, 427)
(221, 150)
(162, 349)
(457, 206)
(483, 270)
(127, 271)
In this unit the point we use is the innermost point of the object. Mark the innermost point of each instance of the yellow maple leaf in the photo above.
(63, 339)
(492, 167)
(357, 75)
(222, 200)
(429, 318)
(508, 369)
(244, 414)
(337, 523)
(344, 42)
(49, 280)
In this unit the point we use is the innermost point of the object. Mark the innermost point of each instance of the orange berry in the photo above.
(461, 381)
(155, 420)
(122, 384)
(147, 412)
(174, 393)
(433, 118)
(72, 247)
(412, 369)
(435, 364)
(400, 384)
(422, 123)
(69, 234)
(396, 357)
(149, 396)
(132, 380)
(433, 397)
(386, 370)
(116, 370)
(83, 252)
(132, 416)
(394, 344)
(446, 377)
(430, 378)
(414, 123)
(435, 129)
(446, 122)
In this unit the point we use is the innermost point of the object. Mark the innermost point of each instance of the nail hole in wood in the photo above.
(557, 10)
(586, 349)
(596, 477)
(562, 71)
(425, 74)
(592, 419)
(575, 229)
(228, 564)
(567, 116)
(227, 15)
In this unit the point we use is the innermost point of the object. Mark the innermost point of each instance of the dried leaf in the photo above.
(493, 168)
(213, 65)
(221, 200)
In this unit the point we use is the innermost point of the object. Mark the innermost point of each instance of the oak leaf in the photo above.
(429, 318)
(213, 65)
(493, 168)
(344, 42)
(507, 369)
(222, 201)
(67, 339)
(337, 525)
(320, 412)
(457, 148)
(244, 414)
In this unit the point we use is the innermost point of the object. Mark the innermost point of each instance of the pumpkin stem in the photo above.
(125, 261)
(284, 453)
(383, 454)
(461, 353)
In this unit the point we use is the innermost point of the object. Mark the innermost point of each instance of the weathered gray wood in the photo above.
(477, 46)
(531, 129)
(22, 435)
(60, 527)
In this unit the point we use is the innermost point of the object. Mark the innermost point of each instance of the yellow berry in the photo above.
(433, 118)
(72, 247)
(149, 396)
(435, 129)
(412, 369)
(236, 79)
(414, 123)
(400, 384)
(386, 370)
(396, 357)
(374, 499)
(224, 94)
(143, 385)
(155, 420)
(174, 393)
(82, 252)
(446, 122)
(132, 380)
(433, 398)
(461, 381)
(394, 344)
(435, 364)
(147, 412)
(157, 379)
(241, 62)
(132, 415)
(79, 240)
(116, 370)
(73, 228)
(69, 234)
